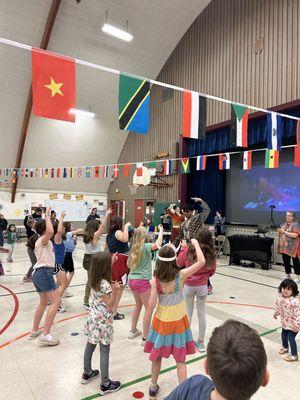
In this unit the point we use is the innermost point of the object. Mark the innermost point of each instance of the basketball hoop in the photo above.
(133, 189)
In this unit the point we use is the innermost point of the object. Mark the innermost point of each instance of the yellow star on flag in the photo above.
(54, 87)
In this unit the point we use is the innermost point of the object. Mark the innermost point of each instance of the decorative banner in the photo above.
(185, 165)
(53, 196)
(139, 169)
(297, 156)
(201, 163)
(41, 171)
(53, 85)
(193, 115)
(274, 131)
(272, 159)
(242, 114)
(134, 100)
(152, 168)
(88, 172)
(71, 172)
(57, 172)
(166, 167)
(224, 161)
(79, 197)
(46, 174)
(298, 133)
(105, 171)
(126, 169)
(247, 160)
(65, 173)
(79, 172)
(52, 172)
(97, 172)
(67, 197)
(116, 170)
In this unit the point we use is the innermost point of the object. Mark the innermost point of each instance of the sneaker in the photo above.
(118, 316)
(34, 335)
(112, 386)
(153, 391)
(87, 378)
(27, 280)
(136, 333)
(143, 341)
(61, 309)
(48, 340)
(86, 307)
(200, 347)
(209, 290)
(67, 294)
(291, 358)
(283, 351)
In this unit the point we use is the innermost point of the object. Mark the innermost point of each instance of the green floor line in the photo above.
(164, 371)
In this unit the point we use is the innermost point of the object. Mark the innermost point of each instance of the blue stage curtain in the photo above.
(210, 184)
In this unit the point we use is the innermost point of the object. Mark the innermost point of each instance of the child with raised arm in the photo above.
(44, 282)
(170, 332)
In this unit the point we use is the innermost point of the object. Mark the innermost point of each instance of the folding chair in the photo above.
(219, 243)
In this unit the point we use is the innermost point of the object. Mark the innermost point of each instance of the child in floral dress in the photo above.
(99, 324)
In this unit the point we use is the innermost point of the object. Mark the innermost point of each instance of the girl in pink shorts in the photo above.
(139, 263)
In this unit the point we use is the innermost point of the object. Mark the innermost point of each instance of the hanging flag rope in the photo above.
(154, 82)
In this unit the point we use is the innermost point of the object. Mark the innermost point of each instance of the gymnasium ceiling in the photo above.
(157, 27)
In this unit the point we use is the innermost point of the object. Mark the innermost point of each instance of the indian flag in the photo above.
(185, 165)
(193, 115)
(247, 160)
(139, 169)
(272, 159)
(224, 161)
(201, 163)
(274, 131)
(242, 114)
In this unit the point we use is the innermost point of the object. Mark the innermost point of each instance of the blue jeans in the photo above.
(43, 279)
(289, 337)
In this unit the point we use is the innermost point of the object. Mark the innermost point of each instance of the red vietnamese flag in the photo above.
(53, 85)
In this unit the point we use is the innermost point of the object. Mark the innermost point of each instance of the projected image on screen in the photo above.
(263, 187)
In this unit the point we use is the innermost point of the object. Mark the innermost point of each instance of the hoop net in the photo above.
(133, 189)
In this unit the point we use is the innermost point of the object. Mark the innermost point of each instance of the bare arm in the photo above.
(110, 298)
(185, 273)
(60, 229)
(123, 236)
(151, 304)
(158, 243)
(49, 228)
(205, 209)
(77, 231)
(99, 232)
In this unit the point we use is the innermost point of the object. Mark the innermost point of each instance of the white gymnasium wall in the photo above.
(26, 199)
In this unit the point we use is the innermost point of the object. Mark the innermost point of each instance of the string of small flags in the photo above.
(162, 167)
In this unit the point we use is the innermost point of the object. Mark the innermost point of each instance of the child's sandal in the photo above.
(283, 351)
(291, 358)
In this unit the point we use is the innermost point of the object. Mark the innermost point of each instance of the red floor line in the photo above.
(15, 312)
(123, 306)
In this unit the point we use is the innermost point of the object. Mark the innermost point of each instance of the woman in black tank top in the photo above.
(117, 242)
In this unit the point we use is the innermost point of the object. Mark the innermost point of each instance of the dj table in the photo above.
(251, 248)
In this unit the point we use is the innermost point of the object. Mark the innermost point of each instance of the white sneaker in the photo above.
(61, 309)
(143, 341)
(136, 333)
(34, 335)
(48, 340)
(86, 307)
(67, 294)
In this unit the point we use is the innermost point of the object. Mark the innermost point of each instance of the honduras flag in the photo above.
(274, 131)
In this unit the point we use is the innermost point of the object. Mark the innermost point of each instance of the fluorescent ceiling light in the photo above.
(82, 113)
(119, 33)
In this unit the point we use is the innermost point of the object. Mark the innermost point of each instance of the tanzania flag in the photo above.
(274, 131)
(297, 156)
(53, 85)
(134, 100)
(242, 114)
(272, 159)
(185, 165)
(247, 160)
(193, 115)
(224, 161)
(201, 163)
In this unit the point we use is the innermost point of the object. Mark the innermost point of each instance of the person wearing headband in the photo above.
(170, 332)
